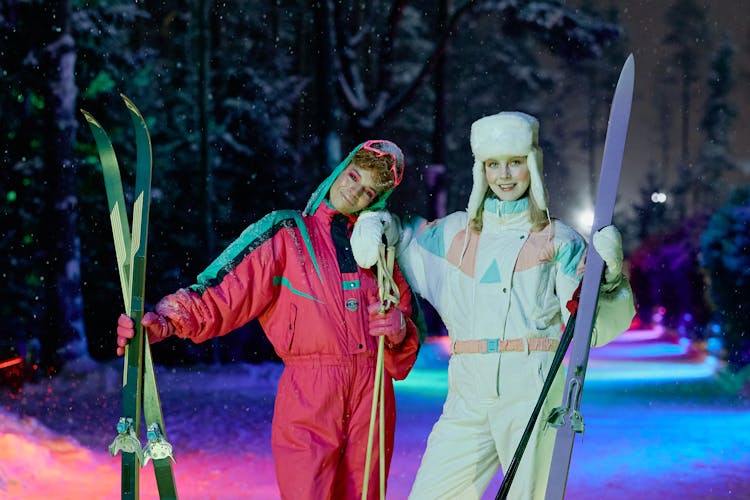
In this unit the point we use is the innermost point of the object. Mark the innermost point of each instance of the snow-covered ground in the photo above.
(658, 425)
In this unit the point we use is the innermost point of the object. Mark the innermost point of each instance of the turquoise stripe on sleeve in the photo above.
(432, 238)
(251, 238)
(569, 256)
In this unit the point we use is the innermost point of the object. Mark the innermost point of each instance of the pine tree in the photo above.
(715, 156)
(40, 128)
(688, 35)
(725, 256)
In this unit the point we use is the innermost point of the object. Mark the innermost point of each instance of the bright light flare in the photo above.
(658, 197)
(585, 220)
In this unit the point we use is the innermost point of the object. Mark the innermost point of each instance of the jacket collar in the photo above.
(326, 212)
(506, 214)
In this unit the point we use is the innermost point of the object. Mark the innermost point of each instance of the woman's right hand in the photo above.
(157, 328)
(125, 332)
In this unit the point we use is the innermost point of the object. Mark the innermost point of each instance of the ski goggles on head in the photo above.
(387, 148)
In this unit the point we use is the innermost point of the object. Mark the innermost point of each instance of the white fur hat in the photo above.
(509, 133)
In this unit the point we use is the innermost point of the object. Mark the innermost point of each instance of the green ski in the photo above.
(139, 391)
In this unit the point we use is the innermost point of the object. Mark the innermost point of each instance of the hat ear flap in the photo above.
(534, 162)
(478, 190)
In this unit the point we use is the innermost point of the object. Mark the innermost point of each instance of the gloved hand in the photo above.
(368, 234)
(608, 243)
(391, 324)
(157, 328)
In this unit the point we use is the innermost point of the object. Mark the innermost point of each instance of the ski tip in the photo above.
(132, 107)
(629, 63)
(626, 81)
(90, 118)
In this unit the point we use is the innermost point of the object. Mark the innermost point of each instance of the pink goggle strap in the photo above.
(387, 148)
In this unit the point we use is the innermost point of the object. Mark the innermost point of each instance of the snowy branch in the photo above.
(382, 113)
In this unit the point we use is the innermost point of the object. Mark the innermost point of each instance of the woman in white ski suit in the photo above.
(501, 291)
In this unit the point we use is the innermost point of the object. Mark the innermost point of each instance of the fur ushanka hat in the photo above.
(509, 133)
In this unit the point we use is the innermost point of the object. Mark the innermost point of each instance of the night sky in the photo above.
(644, 22)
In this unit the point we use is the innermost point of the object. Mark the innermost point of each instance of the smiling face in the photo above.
(508, 177)
(353, 190)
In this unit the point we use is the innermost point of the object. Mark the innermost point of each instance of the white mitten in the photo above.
(368, 234)
(391, 229)
(608, 243)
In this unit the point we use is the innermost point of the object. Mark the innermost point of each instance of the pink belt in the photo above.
(497, 345)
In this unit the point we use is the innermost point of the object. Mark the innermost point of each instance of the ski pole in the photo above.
(377, 397)
(557, 360)
(389, 296)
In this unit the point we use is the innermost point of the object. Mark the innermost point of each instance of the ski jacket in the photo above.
(296, 275)
(505, 282)
(295, 272)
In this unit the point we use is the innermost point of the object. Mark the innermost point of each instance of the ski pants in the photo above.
(320, 427)
(476, 435)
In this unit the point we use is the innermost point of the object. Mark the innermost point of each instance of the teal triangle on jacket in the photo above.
(492, 275)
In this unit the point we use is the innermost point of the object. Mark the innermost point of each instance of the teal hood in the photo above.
(321, 193)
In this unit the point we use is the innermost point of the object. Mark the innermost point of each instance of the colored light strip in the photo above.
(11, 362)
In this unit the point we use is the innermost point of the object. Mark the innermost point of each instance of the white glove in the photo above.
(368, 233)
(608, 243)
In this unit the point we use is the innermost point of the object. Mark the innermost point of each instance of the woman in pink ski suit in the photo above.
(295, 273)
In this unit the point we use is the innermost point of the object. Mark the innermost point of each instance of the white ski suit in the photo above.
(510, 283)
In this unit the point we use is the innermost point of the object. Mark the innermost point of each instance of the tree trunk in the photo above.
(435, 173)
(204, 122)
(592, 136)
(330, 108)
(64, 318)
(439, 129)
(204, 126)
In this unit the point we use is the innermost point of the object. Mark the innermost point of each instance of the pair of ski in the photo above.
(139, 392)
(568, 418)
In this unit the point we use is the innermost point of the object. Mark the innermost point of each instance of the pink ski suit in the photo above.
(297, 275)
